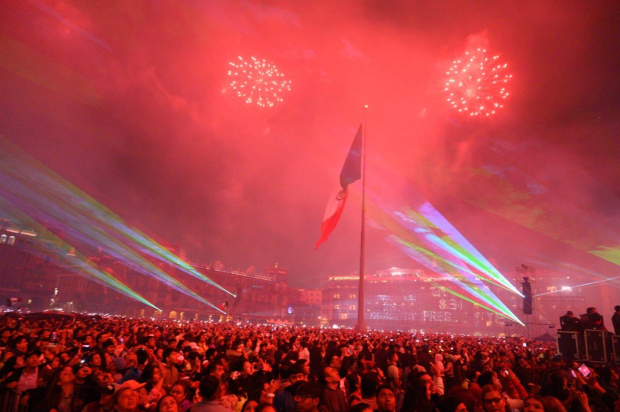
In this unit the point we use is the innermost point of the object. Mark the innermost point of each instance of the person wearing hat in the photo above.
(308, 396)
(25, 377)
(126, 400)
(133, 385)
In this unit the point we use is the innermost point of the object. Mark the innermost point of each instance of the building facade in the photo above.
(396, 299)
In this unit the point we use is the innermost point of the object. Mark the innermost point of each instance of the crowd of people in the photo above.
(54, 363)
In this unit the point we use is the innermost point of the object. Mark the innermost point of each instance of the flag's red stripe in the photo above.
(329, 224)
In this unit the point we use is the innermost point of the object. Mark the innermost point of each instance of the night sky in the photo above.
(130, 101)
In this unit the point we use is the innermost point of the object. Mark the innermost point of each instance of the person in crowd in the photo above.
(308, 396)
(62, 395)
(249, 406)
(615, 320)
(493, 400)
(534, 403)
(169, 369)
(304, 353)
(451, 403)
(284, 400)
(209, 390)
(19, 345)
(11, 365)
(106, 400)
(154, 382)
(449, 371)
(570, 323)
(181, 392)
(214, 368)
(135, 362)
(437, 369)
(277, 366)
(386, 399)
(466, 397)
(393, 373)
(354, 382)
(370, 383)
(126, 400)
(596, 321)
(334, 399)
(418, 397)
(25, 378)
(167, 403)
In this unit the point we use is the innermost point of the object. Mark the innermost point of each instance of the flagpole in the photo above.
(361, 325)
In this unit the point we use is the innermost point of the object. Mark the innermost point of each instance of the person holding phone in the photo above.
(608, 397)
(572, 399)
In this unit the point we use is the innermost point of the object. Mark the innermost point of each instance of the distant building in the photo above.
(405, 299)
(339, 300)
(26, 271)
(29, 273)
(311, 296)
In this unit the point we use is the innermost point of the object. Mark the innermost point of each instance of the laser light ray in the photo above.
(485, 301)
(45, 197)
(412, 248)
(596, 282)
(393, 205)
(456, 241)
(396, 195)
(81, 229)
(473, 287)
(78, 263)
(50, 185)
(417, 221)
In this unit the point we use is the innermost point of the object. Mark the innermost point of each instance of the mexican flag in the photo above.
(351, 171)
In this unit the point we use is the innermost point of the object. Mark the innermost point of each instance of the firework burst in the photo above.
(258, 82)
(476, 84)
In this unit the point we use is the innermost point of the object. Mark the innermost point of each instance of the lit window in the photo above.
(352, 297)
(343, 316)
(3, 239)
(351, 307)
(336, 296)
(11, 240)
